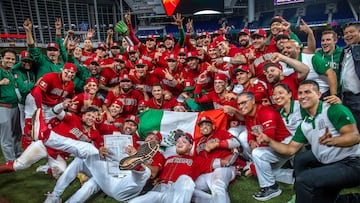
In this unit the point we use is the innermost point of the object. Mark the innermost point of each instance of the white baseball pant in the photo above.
(217, 182)
(241, 134)
(179, 192)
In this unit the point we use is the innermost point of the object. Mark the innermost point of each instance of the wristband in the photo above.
(226, 59)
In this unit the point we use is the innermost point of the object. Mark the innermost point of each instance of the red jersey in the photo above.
(258, 89)
(216, 136)
(165, 105)
(176, 166)
(194, 74)
(158, 160)
(53, 90)
(168, 85)
(129, 99)
(291, 81)
(146, 82)
(78, 107)
(214, 98)
(109, 77)
(147, 55)
(271, 122)
(106, 128)
(260, 58)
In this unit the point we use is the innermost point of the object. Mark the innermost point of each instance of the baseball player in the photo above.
(176, 181)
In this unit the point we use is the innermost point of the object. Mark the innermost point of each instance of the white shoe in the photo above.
(52, 198)
(43, 168)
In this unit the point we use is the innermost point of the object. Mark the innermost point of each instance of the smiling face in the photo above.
(8, 60)
(246, 105)
(273, 74)
(78, 52)
(206, 128)
(219, 86)
(352, 34)
(258, 42)
(244, 40)
(67, 75)
(88, 46)
(157, 92)
(275, 28)
(223, 48)
(115, 110)
(193, 63)
(291, 49)
(281, 96)
(243, 77)
(91, 88)
(89, 118)
(328, 43)
(129, 127)
(308, 96)
(53, 54)
(183, 146)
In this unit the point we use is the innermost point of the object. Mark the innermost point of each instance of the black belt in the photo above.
(350, 94)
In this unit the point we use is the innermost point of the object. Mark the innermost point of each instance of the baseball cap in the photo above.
(219, 39)
(204, 119)
(241, 68)
(282, 35)
(271, 64)
(70, 66)
(133, 119)
(53, 45)
(212, 45)
(182, 51)
(193, 54)
(169, 36)
(259, 32)
(25, 56)
(91, 80)
(124, 77)
(101, 46)
(216, 33)
(187, 136)
(278, 19)
(206, 34)
(155, 132)
(160, 44)
(132, 49)
(180, 105)
(118, 102)
(244, 32)
(151, 37)
(115, 44)
(142, 103)
(120, 57)
(172, 57)
(141, 62)
(189, 84)
(220, 76)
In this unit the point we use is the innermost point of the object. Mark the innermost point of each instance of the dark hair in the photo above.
(285, 86)
(4, 51)
(311, 82)
(356, 24)
(249, 95)
(91, 108)
(157, 85)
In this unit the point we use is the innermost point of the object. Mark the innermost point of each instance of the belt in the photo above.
(6, 105)
(350, 94)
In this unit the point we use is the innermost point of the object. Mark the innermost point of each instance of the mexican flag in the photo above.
(168, 121)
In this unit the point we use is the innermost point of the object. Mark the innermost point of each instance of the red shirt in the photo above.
(106, 128)
(259, 90)
(291, 81)
(109, 77)
(193, 74)
(167, 84)
(165, 105)
(53, 90)
(216, 136)
(78, 107)
(271, 122)
(146, 82)
(260, 58)
(176, 166)
(130, 100)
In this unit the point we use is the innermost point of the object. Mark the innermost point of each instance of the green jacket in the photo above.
(25, 80)
(7, 92)
(43, 62)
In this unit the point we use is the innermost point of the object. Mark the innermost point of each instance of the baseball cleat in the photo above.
(7, 167)
(145, 152)
(50, 198)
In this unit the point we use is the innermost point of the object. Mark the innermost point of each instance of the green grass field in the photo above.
(28, 186)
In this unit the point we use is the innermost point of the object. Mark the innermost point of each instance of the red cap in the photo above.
(242, 68)
(159, 44)
(152, 37)
(133, 118)
(25, 56)
(182, 51)
(180, 105)
(219, 76)
(212, 45)
(259, 32)
(189, 84)
(157, 133)
(118, 102)
(101, 46)
(70, 66)
(53, 45)
(141, 62)
(120, 57)
(125, 77)
(271, 64)
(204, 119)
(187, 136)
(244, 32)
(91, 80)
(205, 34)
(132, 49)
(216, 32)
(172, 57)
(143, 102)
(115, 44)
(169, 36)
(193, 54)
(219, 39)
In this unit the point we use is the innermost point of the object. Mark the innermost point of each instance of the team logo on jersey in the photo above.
(43, 84)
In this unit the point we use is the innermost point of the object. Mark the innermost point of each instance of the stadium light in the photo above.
(207, 12)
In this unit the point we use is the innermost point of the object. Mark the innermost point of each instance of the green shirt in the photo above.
(25, 80)
(7, 92)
